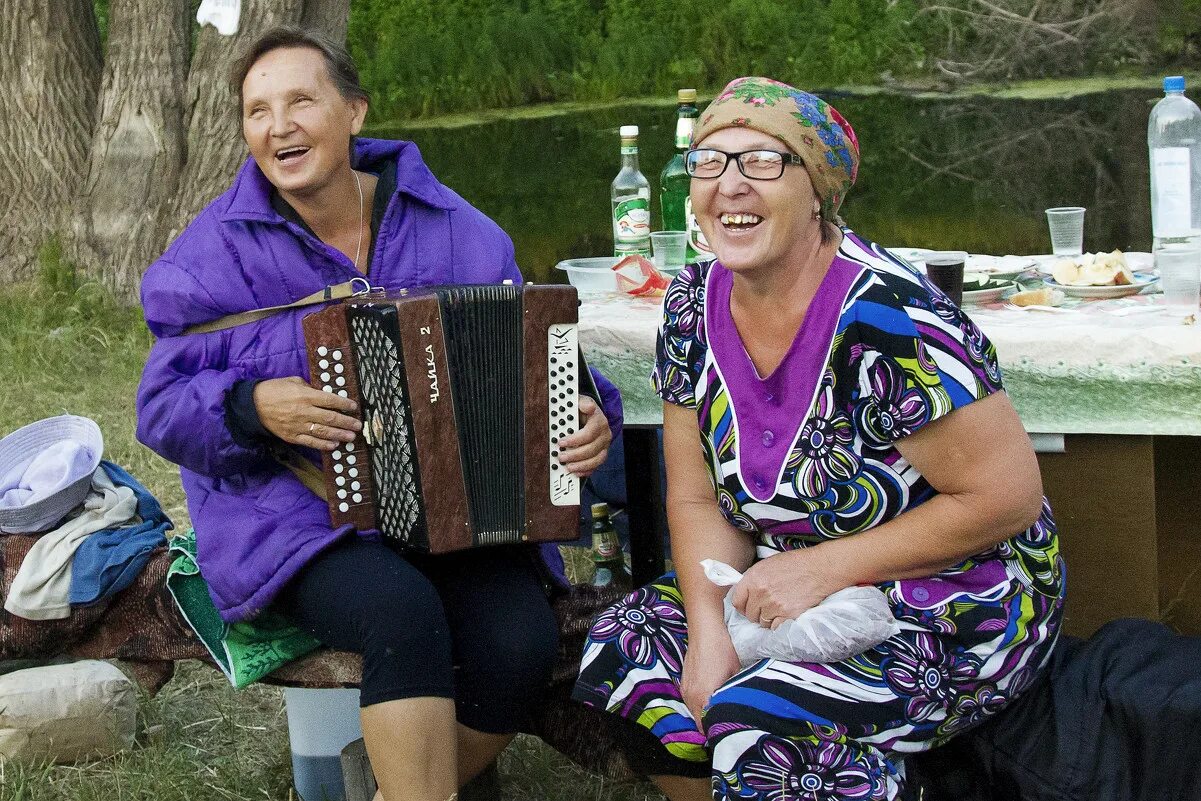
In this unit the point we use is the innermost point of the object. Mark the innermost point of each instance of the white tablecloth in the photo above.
(1105, 367)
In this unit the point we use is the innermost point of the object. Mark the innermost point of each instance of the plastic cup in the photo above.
(944, 268)
(1067, 230)
(1179, 268)
(668, 249)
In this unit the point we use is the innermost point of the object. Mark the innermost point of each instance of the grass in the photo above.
(67, 347)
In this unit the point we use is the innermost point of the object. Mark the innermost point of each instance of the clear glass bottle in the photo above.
(1174, 144)
(631, 201)
(607, 556)
(674, 202)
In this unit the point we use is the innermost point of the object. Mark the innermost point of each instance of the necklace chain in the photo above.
(358, 247)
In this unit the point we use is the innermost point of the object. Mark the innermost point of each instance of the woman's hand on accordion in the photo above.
(585, 450)
(300, 415)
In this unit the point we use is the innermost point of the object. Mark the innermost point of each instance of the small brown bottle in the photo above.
(607, 556)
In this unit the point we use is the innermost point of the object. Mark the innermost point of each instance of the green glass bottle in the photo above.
(607, 556)
(674, 181)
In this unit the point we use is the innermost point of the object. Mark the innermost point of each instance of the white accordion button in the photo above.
(327, 388)
(342, 494)
(340, 381)
(354, 472)
(343, 507)
(338, 368)
(351, 459)
(343, 393)
(337, 355)
(336, 455)
(339, 480)
(357, 498)
(323, 364)
(325, 378)
(354, 485)
(337, 468)
(322, 350)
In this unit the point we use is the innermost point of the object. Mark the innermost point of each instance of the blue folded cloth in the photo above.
(109, 560)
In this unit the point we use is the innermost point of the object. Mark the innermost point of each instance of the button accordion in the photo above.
(464, 393)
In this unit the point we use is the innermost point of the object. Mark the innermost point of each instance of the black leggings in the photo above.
(474, 626)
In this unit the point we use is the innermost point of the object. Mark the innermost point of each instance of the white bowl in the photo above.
(593, 274)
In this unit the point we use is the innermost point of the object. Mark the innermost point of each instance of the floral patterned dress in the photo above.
(805, 455)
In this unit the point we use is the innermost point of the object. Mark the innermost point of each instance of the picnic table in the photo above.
(1110, 392)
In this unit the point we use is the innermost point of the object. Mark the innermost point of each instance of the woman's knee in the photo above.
(516, 659)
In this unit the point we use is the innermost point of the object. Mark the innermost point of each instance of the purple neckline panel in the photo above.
(770, 412)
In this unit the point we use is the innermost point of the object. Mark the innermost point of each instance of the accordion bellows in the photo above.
(464, 393)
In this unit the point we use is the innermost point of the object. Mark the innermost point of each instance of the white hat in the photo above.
(46, 471)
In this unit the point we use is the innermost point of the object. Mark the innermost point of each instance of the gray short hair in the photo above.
(338, 63)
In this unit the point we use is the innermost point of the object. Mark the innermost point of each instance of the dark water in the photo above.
(967, 174)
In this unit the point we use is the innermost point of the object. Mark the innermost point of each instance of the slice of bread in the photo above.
(1043, 296)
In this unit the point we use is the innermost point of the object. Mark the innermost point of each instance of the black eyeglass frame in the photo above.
(785, 160)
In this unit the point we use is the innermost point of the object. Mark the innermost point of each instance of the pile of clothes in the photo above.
(97, 525)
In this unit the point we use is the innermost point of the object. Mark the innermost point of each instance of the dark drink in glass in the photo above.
(945, 271)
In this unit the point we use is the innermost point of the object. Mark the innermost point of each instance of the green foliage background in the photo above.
(423, 57)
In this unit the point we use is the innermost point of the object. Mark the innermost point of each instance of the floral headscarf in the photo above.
(809, 125)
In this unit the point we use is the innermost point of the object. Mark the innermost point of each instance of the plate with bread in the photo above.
(1097, 275)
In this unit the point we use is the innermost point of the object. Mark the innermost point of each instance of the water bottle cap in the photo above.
(628, 131)
(600, 510)
(686, 96)
(1173, 83)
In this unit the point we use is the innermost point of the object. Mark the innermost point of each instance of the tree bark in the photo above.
(215, 146)
(137, 149)
(49, 74)
(328, 16)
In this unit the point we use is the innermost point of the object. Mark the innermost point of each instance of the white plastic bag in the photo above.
(223, 15)
(845, 624)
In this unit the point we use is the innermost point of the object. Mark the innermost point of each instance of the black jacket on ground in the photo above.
(1116, 717)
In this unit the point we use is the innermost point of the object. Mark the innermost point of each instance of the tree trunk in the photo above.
(49, 74)
(215, 146)
(138, 146)
(328, 16)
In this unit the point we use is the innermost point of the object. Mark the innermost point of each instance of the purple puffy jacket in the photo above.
(256, 524)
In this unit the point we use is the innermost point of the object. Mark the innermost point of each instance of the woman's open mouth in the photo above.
(739, 222)
(290, 154)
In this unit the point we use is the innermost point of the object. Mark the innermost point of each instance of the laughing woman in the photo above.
(455, 647)
(830, 419)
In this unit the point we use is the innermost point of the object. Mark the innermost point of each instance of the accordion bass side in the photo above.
(464, 393)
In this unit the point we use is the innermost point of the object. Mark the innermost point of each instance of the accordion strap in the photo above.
(355, 286)
(308, 473)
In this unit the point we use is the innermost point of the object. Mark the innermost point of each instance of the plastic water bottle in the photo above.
(1174, 142)
(631, 200)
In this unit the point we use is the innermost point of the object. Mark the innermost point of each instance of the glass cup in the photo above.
(1179, 266)
(1067, 230)
(944, 268)
(668, 249)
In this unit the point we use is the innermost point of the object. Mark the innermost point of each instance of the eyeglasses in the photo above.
(760, 165)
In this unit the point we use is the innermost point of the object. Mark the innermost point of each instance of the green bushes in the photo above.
(422, 57)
